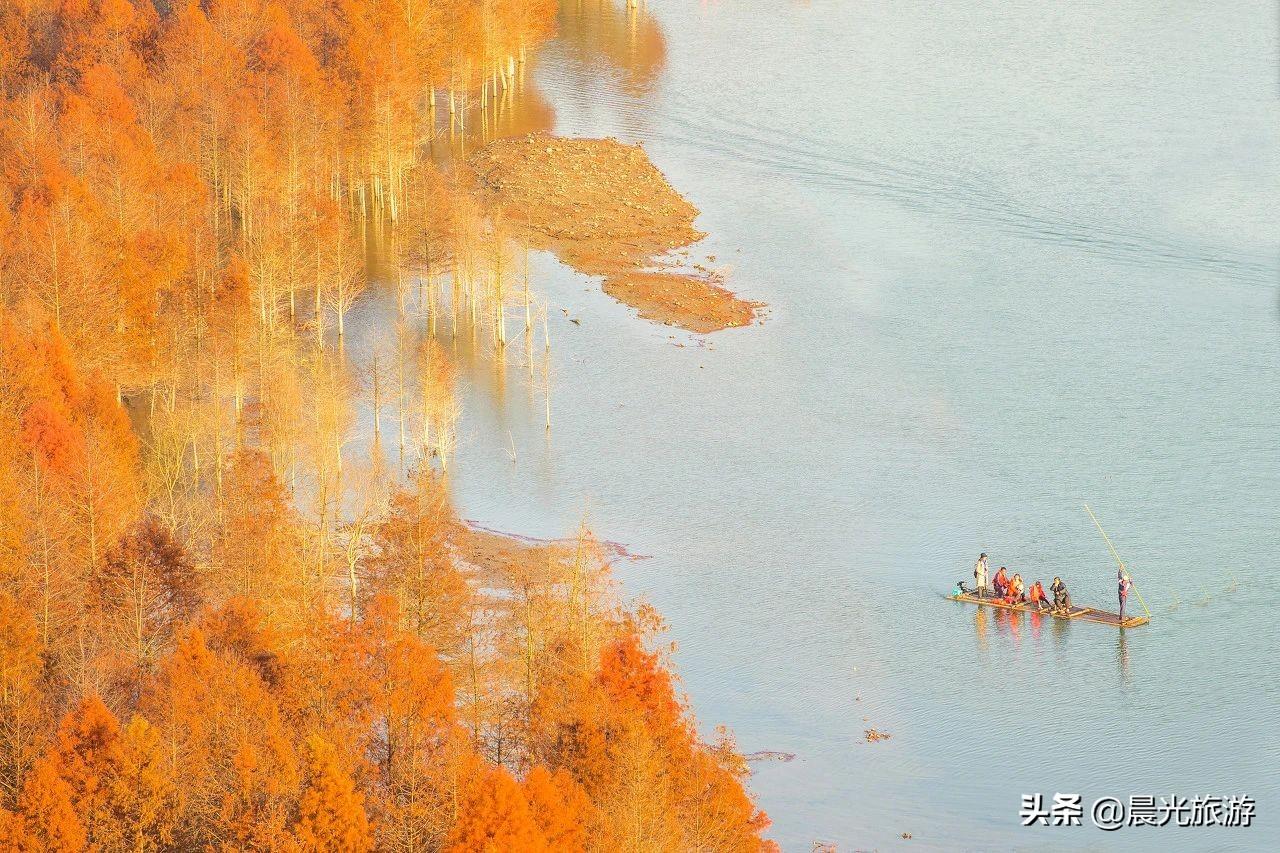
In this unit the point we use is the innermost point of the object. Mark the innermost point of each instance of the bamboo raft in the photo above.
(1081, 614)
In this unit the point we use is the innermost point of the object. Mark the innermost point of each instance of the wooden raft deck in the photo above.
(1082, 614)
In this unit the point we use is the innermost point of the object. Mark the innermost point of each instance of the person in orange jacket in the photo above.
(1037, 597)
(1001, 583)
(1017, 591)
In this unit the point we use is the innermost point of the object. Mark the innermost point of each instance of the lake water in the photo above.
(1017, 256)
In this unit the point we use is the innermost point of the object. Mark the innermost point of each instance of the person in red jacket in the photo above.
(1000, 582)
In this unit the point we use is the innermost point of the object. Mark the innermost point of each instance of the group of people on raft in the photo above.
(1013, 590)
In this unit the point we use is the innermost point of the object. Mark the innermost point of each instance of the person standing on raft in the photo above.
(1122, 578)
(980, 575)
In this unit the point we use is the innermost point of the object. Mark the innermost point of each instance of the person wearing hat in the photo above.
(980, 575)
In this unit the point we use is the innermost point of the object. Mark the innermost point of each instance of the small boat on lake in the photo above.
(1081, 614)
(1060, 610)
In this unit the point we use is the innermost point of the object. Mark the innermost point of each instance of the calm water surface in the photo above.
(1017, 256)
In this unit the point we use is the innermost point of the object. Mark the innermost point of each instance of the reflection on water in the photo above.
(595, 38)
(521, 108)
(980, 627)
(625, 36)
(1036, 622)
(1012, 625)
(1122, 656)
(1061, 627)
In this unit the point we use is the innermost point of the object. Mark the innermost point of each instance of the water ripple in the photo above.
(960, 196)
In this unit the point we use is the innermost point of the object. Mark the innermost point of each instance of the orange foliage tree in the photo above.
(495, 817)
(560, 807)
(411, 561)
(331, 815)
(22, 703)
(229, 747)
(187, 191)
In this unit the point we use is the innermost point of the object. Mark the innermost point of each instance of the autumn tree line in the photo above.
(221, 627)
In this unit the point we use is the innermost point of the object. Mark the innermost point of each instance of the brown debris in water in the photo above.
(604, 209)
(873, 735)
(481, 545)
(697, 304)
(491, 555)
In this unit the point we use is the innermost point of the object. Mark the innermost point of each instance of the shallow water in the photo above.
(1017, 256)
